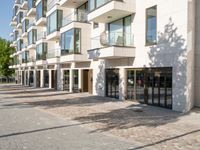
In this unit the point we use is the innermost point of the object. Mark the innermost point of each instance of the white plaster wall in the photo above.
(171, 50)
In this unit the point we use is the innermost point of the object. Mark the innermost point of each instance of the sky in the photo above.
(5, 18)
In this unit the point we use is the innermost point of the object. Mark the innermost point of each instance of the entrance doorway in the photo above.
(152, 86)
(31, 78)
(88, 81)
(66, 80)
(112, 83)
(38, 78)
(54, 79)
(75, 81)
(22, 77)
(46, 78)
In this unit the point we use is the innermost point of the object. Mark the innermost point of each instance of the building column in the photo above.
(80, 79)
(41, 78)
(50, 78)
(59, 78)
(35, 78)
(28, 71)
(71, 82)
(122, 83)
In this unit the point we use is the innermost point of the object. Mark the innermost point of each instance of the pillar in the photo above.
(71, 82)
(122, 83)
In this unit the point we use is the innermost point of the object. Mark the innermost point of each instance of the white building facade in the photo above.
(144, 50)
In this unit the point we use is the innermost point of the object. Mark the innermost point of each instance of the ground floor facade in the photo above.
(157, 86)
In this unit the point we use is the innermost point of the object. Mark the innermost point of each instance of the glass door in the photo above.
(66, 80)
(112, 83)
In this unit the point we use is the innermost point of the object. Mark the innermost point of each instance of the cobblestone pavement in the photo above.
(149, 127)
(28, 128)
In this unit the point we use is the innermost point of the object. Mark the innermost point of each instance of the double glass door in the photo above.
(151, 86)
(66, 80)
(112, 83)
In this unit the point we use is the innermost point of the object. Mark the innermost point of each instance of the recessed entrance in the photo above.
(88, 81)
(38, 78)
(151, 86)
(46, 78)
(75, 81)
(54, 79)
(66, 80)
(31, 78)
(112, 83)
(23, 77)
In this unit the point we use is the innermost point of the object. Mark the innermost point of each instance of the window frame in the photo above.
(146, 25)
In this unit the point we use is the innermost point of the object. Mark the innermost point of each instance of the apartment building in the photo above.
(144, 50)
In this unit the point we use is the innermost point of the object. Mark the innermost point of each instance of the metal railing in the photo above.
(41, 35)
(79, 16)
(112, 39)
(51, 3)
(53, 53)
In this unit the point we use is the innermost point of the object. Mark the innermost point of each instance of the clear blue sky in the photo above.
(5, 18)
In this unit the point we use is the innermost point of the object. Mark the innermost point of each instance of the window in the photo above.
(32, 36)
(25, 25)
(93, 4)
(54, 21)
(120, 32)
(31, 4)
(19, 45)
(41, 10)
(151, 25)
(41, 51)
(70, 42)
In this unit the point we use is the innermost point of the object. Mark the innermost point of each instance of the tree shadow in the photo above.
(170, 51)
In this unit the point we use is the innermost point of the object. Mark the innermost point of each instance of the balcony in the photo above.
(53, 56)
(72, 3)
(81, 16)
(110, 10)
(31, 62)
(51, 4)
(41, 22)
(24, 4)
(41, 36)
(111, 46)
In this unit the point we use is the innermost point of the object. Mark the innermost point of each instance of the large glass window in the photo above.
(32, 36)
(31, 4)
(41, 10)
(54, 21)
(41, 51)
(25, 57)
(97, 3)
(19, 17)
(151, 25)
(25, 25)
(19, 45)
(120, 32)
(70, 42)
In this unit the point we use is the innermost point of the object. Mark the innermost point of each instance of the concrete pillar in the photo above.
(50, 78)
(28, 77)
(122, 83)
(59, 78)
(35, 78)
(80, 79)
(41, 78)
(71, 82)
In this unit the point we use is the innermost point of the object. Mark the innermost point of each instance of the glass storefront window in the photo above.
(151, 85)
